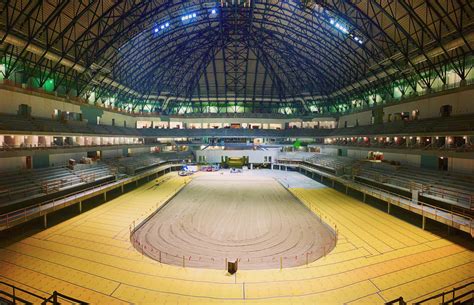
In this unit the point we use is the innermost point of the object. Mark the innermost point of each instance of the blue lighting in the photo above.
(188, 17)
(344, 29)
(159, 28)
(213, 11)
(341, 28)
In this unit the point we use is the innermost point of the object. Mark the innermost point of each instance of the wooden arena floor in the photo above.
(377, 258)
(247, 217)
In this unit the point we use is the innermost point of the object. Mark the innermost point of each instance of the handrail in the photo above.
(444, 293)
(54, 299)
(14, 288)
(6, 147)
(423, 204)
(396, 301)
(431, 188)
(23, 211)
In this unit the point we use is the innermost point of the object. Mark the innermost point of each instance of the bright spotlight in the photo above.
(213, 11)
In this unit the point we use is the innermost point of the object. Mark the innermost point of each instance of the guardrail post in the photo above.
(365, 196)
(105, 196)
(388, 207)
(80, 207)
(45, 221)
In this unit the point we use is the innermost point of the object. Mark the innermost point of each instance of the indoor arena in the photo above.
(236, 152)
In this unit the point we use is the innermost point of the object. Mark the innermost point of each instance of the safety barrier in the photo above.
(19, 216)
(16, 295)
(178, 259)
(450, 297)
(454, 219)
(445, 297)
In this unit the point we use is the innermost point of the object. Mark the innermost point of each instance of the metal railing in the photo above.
(399, 301)
(449, 297)
(9, 219)
(8, 147)
(425, 189)
(18, 294)
(276, 261)
(424, 208)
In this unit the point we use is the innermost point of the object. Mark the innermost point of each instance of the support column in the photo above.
(272, 166)
(388, 207)
(45, 221)
(80, 207)
(105, 196)
(423, 222)
(122, 187)
(347, 189)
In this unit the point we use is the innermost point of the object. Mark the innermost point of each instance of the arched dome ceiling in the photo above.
(234, 51)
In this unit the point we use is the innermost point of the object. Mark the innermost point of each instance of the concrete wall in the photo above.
(362, 118)
(328, 150)
(461, 165)
(62, 159)
(14, 163)
(461, 100)
(41, 160)
(140, 150)
(111, 153)
(40, 106)
(44, 107)
(413, 160)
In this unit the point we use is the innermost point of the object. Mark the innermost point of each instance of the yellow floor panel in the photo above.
(378, 258)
